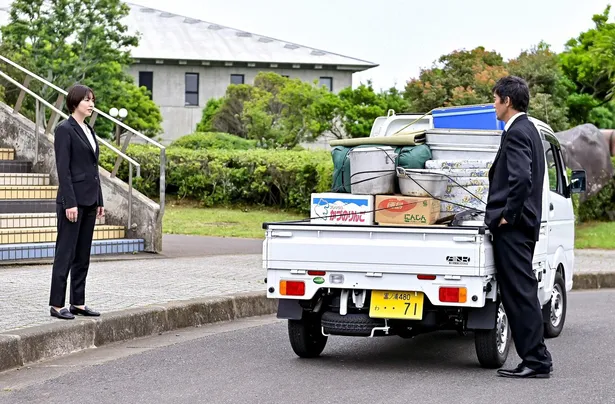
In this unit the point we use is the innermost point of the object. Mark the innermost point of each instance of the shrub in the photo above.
(214, 140)
(280, 178)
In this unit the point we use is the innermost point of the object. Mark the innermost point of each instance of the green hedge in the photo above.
(214, 140)
(278, 178)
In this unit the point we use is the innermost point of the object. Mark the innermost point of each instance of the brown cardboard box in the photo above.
(406, 210)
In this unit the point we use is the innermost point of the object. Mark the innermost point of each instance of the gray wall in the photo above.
(169, 87)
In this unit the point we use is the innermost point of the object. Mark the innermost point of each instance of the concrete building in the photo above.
(185, 62)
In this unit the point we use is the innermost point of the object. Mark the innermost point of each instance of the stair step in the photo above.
(28, 191)
(27, 220)
(27, 205)
(11, 252)
(47, 234)
(15, 166)
(24, 179)
(7, 154)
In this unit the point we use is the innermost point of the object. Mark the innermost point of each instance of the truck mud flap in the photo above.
(483, 318)
(289, 309)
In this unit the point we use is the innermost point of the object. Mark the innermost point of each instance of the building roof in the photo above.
(168, 36)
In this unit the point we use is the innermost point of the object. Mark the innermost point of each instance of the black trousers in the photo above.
(513, 253)
(72, 254)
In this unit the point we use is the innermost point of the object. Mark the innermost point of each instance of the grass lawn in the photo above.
(246, 222)
(595, 235)
(189, 218)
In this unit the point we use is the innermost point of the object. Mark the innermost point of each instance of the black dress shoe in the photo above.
(63, 314)
(523, 372)
(86, 312)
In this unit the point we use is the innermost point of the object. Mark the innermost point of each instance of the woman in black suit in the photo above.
(79, 202)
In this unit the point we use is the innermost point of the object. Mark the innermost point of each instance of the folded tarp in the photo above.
(402, 139)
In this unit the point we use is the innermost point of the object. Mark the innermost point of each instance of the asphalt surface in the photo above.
(181, 246)
(250, 361)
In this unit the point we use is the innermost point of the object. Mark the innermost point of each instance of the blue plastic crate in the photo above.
(467, 117)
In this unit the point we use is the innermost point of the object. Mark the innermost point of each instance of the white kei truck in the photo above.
(382, 280)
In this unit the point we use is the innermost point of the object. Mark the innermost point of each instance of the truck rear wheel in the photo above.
(305, 336)
(492, 346)
(557, 315)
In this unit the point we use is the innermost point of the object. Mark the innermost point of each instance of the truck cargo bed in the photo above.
(436, 250)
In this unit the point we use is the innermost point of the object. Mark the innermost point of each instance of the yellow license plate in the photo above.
(398, 305)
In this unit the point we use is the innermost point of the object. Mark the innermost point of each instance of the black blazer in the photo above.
(77, 165)
(516, 179)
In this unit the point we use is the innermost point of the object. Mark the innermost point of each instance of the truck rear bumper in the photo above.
(305, 285)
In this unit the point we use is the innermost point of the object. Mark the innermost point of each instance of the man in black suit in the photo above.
(79, 202)
(513, 215)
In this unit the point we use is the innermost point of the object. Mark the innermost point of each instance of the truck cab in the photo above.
(381, 280)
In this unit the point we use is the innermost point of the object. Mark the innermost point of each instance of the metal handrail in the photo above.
(115, 121)
(65, 116)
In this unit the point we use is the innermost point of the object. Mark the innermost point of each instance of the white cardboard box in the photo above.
(340, 208)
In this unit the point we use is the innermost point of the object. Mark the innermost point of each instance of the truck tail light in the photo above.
(292, 288)
(453, 295)
(317, 273)
(426, 277)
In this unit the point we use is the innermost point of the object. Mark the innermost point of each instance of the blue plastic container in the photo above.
(467, 117)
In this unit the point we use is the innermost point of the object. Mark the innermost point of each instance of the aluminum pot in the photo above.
(372, 170)
(421, 183)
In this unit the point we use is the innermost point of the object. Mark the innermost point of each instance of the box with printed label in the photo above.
(405, 210)
(342, 208)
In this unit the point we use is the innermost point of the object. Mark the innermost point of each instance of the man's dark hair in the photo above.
(514, 88)
(76, 94)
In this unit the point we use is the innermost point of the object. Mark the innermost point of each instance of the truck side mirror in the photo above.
(578, 182)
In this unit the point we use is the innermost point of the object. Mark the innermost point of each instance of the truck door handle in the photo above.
(550, 206)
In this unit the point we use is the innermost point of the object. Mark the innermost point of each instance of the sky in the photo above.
(401, 36)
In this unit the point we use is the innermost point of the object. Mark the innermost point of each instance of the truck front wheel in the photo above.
(557, 314)
(492, 345)
(305, 336)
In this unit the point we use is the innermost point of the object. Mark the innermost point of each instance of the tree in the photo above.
(459, 78)
(549, 87)
(69, 41)
(276, 111)
(359, 108)
(589, 63)
(467, 78)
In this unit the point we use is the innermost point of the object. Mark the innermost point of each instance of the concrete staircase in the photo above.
(28, 216)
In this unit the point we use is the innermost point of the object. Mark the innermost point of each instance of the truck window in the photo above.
(555, 169)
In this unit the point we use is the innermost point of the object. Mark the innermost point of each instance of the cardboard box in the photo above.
(406, 210)
(342, 208)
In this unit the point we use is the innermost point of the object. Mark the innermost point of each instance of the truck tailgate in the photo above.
(436, 250)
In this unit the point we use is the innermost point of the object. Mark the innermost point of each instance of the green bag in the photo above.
(412, 157)
(341, 169)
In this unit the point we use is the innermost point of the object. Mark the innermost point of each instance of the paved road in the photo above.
(181, 246)
(251, 362)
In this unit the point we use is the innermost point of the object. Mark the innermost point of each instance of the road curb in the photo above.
(598, 280)
(33, 344)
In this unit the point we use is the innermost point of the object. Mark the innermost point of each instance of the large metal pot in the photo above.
(372, 170)
(421, 183)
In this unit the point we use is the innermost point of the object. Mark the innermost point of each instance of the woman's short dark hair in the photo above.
(76, 94)
(514, 88)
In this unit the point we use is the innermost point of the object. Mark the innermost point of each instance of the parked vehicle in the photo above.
(382, 280)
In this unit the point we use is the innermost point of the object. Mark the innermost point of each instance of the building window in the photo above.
(327, 82)
(237, 78)
(192, 89)
(146, 79)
